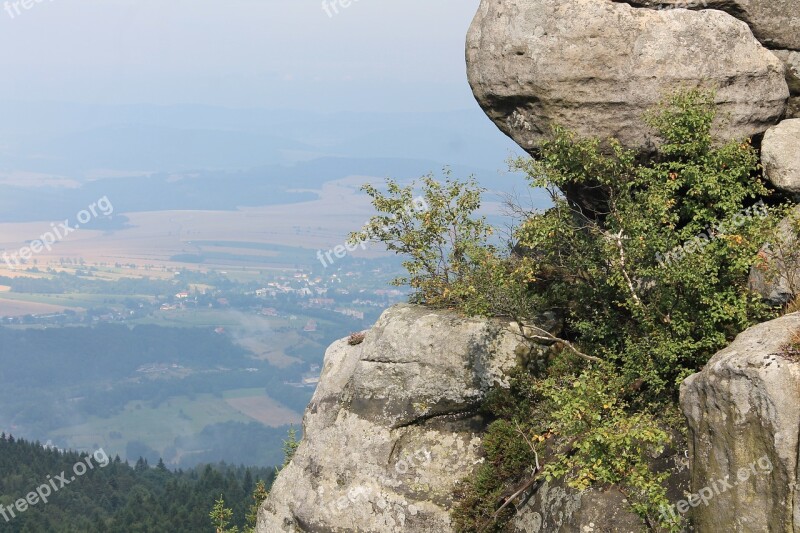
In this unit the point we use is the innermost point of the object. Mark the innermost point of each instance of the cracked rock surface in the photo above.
(774, 22)
(792, 60)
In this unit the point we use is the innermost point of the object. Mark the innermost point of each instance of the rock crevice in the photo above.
(773, 22)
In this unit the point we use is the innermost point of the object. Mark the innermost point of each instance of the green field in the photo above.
(73, 300)
(156, 427)
(191, 318)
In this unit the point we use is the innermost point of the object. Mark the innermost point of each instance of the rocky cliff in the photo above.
(394, 427)
(744, 420)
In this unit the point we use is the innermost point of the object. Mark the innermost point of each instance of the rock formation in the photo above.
(744, 422)
(556, 508)
(596, 66)
(774, 23)
(780, 156)
(792, 61)
(392, 427)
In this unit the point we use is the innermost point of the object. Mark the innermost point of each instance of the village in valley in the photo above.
(203, 347)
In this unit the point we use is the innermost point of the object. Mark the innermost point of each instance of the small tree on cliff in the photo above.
(434, 233)
(447, 248)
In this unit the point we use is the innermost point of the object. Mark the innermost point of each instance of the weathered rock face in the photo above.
(596, 66)
(392, 427)
(774, 22)
(560, 509)
(744, 420)
(792, 61)
(556, 508)
(780, 156)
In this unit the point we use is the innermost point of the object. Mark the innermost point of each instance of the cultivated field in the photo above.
(256, 405)
(154, 238)
(157, 427)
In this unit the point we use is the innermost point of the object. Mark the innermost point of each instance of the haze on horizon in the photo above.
(230, 140)
(271, 54)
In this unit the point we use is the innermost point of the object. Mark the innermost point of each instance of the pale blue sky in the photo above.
(277, 54)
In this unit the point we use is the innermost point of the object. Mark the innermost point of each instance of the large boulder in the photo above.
(596, 66)
(774, 22)
(393, 426)
(743, 411)
(780, 156)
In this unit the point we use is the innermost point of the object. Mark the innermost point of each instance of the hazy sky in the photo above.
(375, 54)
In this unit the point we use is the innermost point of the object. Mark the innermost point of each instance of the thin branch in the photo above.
(570, 450)
(528, 484)
(530, 445)
(617, 238)
(547, 336)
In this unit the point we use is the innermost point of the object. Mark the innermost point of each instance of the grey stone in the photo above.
(559, 509)
(595, 67)
(392, 427)
(774, 22)
(792, 61)
(780, 156)
(743, 412)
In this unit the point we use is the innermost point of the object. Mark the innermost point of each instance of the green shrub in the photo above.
(446, 249)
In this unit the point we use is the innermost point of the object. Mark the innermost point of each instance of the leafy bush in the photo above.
(656, 320)
(442, 243)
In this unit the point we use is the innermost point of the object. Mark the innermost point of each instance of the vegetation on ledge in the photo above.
(647, 286)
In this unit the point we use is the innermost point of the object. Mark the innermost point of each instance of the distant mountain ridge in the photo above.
(73, 139)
